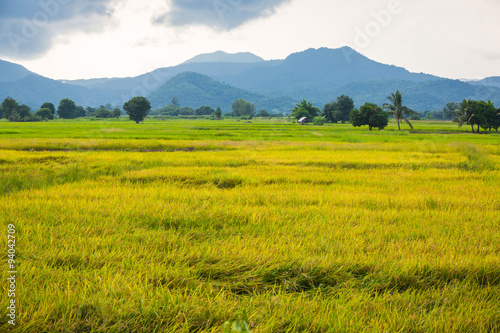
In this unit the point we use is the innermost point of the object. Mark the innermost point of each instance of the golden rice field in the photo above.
(138, 235)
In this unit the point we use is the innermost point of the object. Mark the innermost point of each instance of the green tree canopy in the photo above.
(24, 111)
(66, 109)
(339, 110)
(398, 110)
(305, 109)
(205, 110)
(49, 106)
(117, 113)
(243, 108)
(10, 107)
(137, 108)
(263, 113)
(218, 113)
(44, 114)
(103, 113)
(371, 115)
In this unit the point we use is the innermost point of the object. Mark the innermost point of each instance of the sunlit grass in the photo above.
(118, 235)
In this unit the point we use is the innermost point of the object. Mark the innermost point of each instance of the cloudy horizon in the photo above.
(81, 39)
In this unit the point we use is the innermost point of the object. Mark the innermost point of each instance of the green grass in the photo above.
(151, 228)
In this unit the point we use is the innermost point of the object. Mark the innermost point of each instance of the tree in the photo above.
(243, 108)
(186, 111)
(103, 113)
(9, 107)
(117, 113)
(371, 115)
(464, 114)
(397, 109)
(90, 111)
(343, 108)
(137, 108)
(305, 109)
(24, 111)
(339, 110)
(483, 115)
(49, 106)
(66, 109)
(218, 113)
(449, 110)
(205, 110)
(80, 112)
(263, 113)
(44, 114)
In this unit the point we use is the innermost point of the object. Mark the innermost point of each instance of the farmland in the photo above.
(179, 225)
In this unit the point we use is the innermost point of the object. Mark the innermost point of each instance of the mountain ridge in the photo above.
(318, 75)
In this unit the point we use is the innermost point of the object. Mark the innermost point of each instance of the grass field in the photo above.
(180, 226)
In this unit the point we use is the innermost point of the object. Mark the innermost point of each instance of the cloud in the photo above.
(218, 14)
(29, 28)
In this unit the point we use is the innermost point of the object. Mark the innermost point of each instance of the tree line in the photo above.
(470, 112)
(67, 109)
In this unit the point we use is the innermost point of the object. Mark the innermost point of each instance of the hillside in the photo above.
(195, 90)
(319, 75)
(12, 72)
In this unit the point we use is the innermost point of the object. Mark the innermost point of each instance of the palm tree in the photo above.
(397, 109)
(464, 113)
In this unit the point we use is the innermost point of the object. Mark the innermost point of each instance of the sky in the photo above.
(81, 39)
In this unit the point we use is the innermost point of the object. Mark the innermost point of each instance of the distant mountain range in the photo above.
(217, 79)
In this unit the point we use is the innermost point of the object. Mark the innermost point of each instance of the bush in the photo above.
(319, 121)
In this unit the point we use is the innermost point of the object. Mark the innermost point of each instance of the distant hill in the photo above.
(318, 75)
(195, 90)
(12, 72)
(420, 96)
(220, 56)
(493, 81)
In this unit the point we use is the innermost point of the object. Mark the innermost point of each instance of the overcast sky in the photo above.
(70, 39)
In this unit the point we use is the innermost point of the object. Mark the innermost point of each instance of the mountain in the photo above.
(195, 90)
(220, 56)
(493, 81)
(318, 75)
(12, 72)
(420, 96)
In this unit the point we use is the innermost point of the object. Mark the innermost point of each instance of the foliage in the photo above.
(45, 114)
(263, 114)
(117, 113)
(319, 121)
(9, 107)
(371, 115)
(449, 110)
(218, 113)
(243, 108)
(204, 111)
(49, 106)
(104, 113)
(398, 110)
(66, 109)
(305, 109)
(477, 113)
(343, 107)
(238, 324)
(137, 108)
(186, 111)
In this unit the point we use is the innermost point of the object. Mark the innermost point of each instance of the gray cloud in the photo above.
(28, 28)
(219, 14)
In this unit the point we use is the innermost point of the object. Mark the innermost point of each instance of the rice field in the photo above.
(182, 226)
